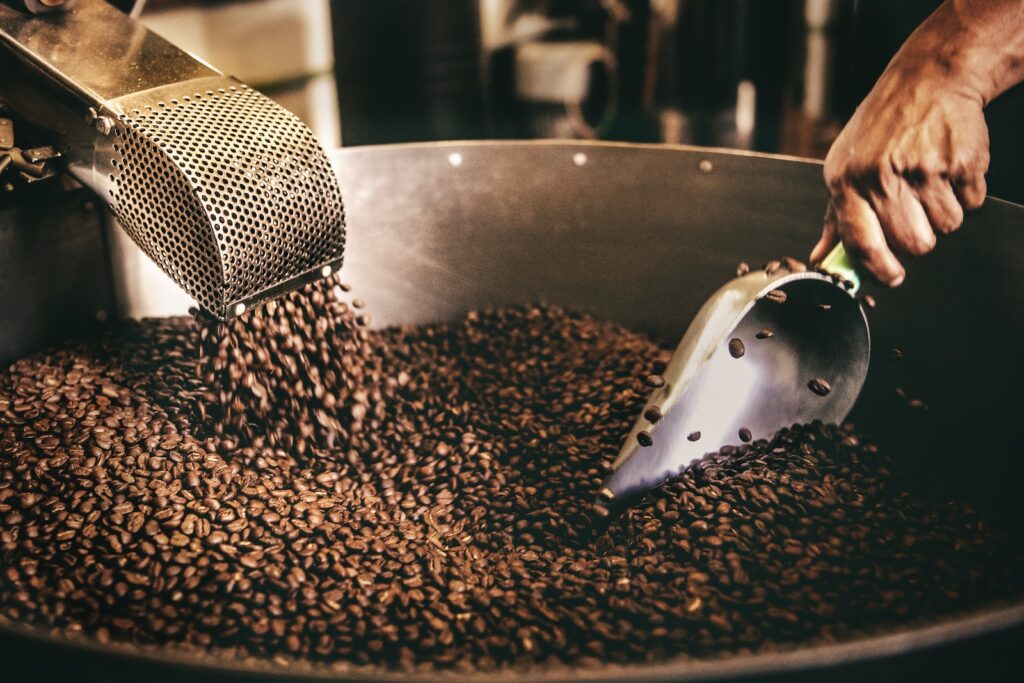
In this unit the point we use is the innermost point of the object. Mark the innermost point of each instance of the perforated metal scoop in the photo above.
(229, 193)
(766, 351)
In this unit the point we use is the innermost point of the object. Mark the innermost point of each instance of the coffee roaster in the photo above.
(436, 229)
(640, 235)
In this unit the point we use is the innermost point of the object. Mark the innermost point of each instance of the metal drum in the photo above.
(642, 235)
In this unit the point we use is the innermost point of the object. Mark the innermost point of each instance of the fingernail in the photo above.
(898, 280)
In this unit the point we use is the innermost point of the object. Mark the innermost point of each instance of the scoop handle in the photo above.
(838, 262)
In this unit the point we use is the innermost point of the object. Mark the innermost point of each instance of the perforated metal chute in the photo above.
(229, 193)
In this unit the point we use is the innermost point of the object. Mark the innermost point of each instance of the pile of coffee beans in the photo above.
(294, 486)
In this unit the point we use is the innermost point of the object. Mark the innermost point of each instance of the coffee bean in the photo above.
(794, 265)
(652, 414)
(868, 300)
(745, 435)
(655, 381)
(736, 348)
(742, 269)
(764, 334)
(644, 439)
(824, 308)
(693, 436)
(819, 386)
(292, 485)
(776, 296)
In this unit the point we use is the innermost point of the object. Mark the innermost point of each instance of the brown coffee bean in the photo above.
(736, 348)
(652, 414)
(292, 485)
(776, 296)
(693, 436)
(745, 435)
(819, 386)
(764, 334)
(655, 381)
(644, 439)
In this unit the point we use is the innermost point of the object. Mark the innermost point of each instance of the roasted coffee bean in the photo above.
(693, 436)
(736, 348)
(745, 435)
(776, 296)
(655, 381)
(653, 414)
(824, 308)
(794, 265)
(742, 269)
(764, 334)
(868, 300)
(644, 439)
(819, 386)
(772, 267)
(294, 485)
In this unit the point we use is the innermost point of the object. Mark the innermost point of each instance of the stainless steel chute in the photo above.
(229, 193)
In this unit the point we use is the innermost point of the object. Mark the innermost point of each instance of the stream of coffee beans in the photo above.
(294, 486)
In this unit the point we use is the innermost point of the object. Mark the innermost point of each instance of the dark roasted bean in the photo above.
(776, 296)
(764, 334)
(819, 386)
(294, 485)
(652, 414)
(736, 348)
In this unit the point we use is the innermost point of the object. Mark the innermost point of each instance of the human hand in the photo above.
(909, 162)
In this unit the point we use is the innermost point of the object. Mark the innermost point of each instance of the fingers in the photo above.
(971, 190)
(861, 231)
(904, 222)
(941, 205)
(829, 236)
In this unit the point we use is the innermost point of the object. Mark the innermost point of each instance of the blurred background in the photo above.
(766, 75)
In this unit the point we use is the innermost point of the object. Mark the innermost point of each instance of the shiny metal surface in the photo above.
(229, 193)
(97, 51)
(642, 235)
(709, 395)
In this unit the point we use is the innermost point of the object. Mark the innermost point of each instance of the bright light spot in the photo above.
(455, 159)
(579, 158)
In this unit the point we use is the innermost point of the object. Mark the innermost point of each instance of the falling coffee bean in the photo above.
(736, 348)
(745, 435)
(819, 386)
(869, 301)
(693, 436)
(776, 296)
(644, 439)
(742, 269)
(765, 334)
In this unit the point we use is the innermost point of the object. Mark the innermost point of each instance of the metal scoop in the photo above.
(766, 351)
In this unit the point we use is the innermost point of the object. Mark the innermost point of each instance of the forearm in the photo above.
(976, 46)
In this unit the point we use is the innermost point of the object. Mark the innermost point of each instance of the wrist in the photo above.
(972, 48)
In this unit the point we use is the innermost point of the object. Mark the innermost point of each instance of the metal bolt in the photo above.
(705, 166)
(104, 125)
